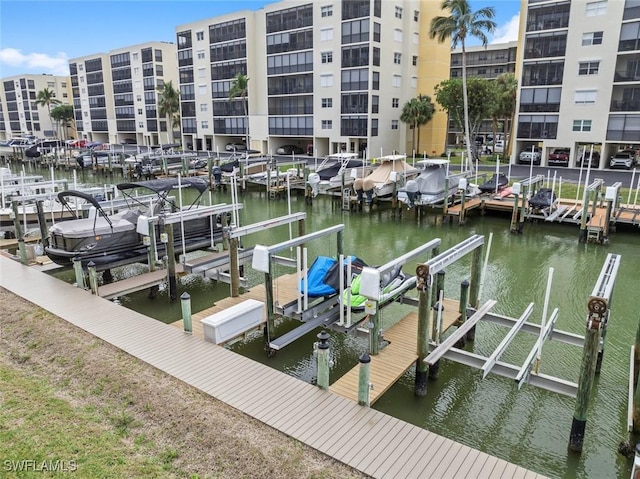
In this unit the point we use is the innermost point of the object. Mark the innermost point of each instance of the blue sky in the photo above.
(41, 36)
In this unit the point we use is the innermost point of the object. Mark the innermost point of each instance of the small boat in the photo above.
(336, 171)
(496, 183)
(543, 199)
(117, 239)
(392, 173)
(323, 277)
(432, 185)
(396, 283)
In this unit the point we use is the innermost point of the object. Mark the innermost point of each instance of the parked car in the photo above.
(289, 150)
(634, 154)
(77, 143)
(48, 143)
(559, 157)
(235, 147)
(528, 156)
(595, 159)
(128, 141)
(622, 159)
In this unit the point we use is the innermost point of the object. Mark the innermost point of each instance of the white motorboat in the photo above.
(337, 171)
(432, 186)
(392, 173)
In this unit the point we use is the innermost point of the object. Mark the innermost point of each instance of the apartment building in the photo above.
(579, 77)
(20, 114)
(483, 62)
(115, 94)
(329, 77)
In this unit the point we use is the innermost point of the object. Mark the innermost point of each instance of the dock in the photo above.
(394, 359)
(320, 419)
(135, 283)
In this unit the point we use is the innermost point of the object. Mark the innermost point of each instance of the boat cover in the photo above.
(81, 228)
(544, 198)
(166, 184)
(501, 180)
(324, 275)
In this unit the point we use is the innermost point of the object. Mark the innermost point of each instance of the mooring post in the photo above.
(77, 268)
(340, 243)
(445, 205)
(582, 237)
(93, 277)
(603, 337)
(364, 387)
(185, 302)
(474, 289)
(462, 201)
(209, 172)
(516, 208)
(233, 264)
(22, 250)
(595, 320)
(171, 263)
(268, 287)
(374, 332)
(439, 287)
(423, 285)
(523, 207)
(42, 223)
(607, 222)
(464, 303)
(323, 360)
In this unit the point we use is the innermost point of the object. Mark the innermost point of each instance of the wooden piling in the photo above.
(93, 277)
(185, 303)
(77, 268)
(374, 333)
(461, 219)
(268, 287)
(364, 379)
(513, 227)
(171, 264)
(42, 223)
(323, 360)
(233, 266)
(423, 286)
(22, 250)
(464, 303)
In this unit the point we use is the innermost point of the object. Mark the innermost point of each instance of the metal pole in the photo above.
(185, 302)
(363, 380)
(323, 360)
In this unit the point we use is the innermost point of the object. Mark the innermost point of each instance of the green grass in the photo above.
(37, 425)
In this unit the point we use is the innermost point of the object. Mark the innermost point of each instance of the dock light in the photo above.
(164, 237)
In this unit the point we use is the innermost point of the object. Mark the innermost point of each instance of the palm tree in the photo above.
(169, 107)
(507, 90)
(417, 112)
(240, 88)
(461, 24)
(47, 97)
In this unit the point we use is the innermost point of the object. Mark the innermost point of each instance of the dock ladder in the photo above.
(346, 199)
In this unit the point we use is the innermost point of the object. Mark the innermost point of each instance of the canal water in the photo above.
(529, 427)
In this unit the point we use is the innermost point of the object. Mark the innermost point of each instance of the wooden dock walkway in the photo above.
(284, 287)
(394, 359)
(370, 441)
(135, 283)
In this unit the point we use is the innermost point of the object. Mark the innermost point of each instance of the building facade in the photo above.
(579, 77)
(115, 94)
(20, 114)
(324, 77)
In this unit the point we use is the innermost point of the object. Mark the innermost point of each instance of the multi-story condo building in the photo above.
(579, 77)
(115, 94)
(483, 62)
(329, 77)
(19, 112)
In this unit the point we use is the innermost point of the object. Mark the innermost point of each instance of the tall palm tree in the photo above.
(47, 97)
(240, 89)
(417, 112)
(460, 25)
(507, 90)
(169, 107)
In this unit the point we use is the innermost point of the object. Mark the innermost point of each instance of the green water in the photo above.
(529, 427)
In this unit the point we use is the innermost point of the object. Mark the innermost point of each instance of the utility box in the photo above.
(225, 325)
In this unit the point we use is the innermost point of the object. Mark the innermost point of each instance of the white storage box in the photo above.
(233, 321)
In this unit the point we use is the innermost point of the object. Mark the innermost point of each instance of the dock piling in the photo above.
(171, 263)
(93, 277)
(77, 268)
(424, 287)
(364, 386)
(22, 250)
(464, 303)
(323, 360)
(185, 303)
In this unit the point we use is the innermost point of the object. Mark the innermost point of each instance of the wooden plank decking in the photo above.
(135, 283)
(393, 360)
(322, 420)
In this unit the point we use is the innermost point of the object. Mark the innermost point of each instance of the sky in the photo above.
(41, 36)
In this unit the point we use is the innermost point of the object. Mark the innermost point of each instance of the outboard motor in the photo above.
(313, 181)
(357, 187)
(412, 192)
(216, 172)
(367, 186)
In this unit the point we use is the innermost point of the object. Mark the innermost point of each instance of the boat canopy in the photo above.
(163, 185)
(63, 195)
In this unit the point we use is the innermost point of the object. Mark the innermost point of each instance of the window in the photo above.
(200, 54)
(138, 97)
(397, 35)
(199, 35)
(414, 82)
(416, 15)
(414, 60)
(397, 57)
(202, 72)
(326, 34)
(398, 12)
(327, 57)
(395, 102)
(327, 102)
(327, 124)
(326, 80)
(202, 89)
(397, 79)
(583, 97)
(326, 11)
(136, 70)
(588, 68)
(592, 38)
(394, 124)
(416, 38)
(141, 124)
(205, 125)
(581, 125)
(204, 107)
(596, 8)
(135, 56)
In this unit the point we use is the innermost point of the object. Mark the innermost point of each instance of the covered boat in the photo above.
(432, 185)
(543, 199)
(117, 239)
(496, 183)
(337, 170)
(392, 173)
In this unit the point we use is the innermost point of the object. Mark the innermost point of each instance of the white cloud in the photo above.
(507, 32)
(35, 62)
